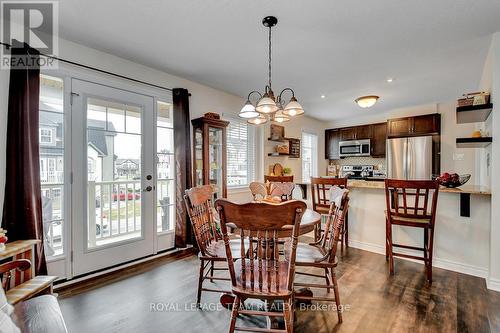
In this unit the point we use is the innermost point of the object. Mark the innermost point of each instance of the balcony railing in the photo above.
(53, 217)
(114, 211)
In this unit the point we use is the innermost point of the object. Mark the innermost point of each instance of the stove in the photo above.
(357, 171)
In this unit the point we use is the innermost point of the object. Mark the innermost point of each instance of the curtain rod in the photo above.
(8, 46)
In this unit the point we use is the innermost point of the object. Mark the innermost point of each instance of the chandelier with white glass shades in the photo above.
(268, 106)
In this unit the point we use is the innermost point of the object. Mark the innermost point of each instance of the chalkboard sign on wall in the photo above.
(294, 150)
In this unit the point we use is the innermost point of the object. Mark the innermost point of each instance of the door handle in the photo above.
(148, 189)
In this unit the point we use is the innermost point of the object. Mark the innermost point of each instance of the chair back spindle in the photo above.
(260, 267)
(320, 190)
(412, 199)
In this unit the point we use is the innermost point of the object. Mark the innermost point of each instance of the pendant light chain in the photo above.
(270, 59)
(270, 107)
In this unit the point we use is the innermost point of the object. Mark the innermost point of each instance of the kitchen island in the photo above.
(461, 243)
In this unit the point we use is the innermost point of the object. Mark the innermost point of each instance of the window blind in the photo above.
(240, 153)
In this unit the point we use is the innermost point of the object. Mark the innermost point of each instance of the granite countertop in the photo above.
(470, 189)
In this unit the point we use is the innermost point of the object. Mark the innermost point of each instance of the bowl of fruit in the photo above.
(452, 180)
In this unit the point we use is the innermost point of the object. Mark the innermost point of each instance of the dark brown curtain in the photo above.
(182, 140)
(22, 209)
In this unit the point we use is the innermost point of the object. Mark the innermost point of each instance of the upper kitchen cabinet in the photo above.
(376, 132)
(332, 139)
(363, 132)
(356, 133)
(348, 133)
(429, 124)
(379, 138)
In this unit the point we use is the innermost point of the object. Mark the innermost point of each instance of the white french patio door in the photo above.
(113, 159)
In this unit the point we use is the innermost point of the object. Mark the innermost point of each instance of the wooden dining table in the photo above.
(310, 219)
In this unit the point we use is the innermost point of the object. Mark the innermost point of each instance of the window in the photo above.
(309, 156)
(51, 130)
(45, 135)
(240, 153)
(165, 167)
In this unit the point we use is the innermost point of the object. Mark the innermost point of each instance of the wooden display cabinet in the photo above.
(209, 153)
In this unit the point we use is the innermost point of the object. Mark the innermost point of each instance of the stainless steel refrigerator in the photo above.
(409, 158)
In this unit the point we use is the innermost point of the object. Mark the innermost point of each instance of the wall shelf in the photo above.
(277, 140)
(473, 113)
(474, 142)
(277, 154)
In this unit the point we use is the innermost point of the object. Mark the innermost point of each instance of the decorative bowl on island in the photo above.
(452, 180)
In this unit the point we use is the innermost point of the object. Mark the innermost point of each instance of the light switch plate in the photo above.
(458, 156)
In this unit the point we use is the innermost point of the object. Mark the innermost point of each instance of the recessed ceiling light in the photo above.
(366, 101)
(323, 96)
(390, 79)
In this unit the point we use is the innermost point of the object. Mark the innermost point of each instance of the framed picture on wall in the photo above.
(277, 132)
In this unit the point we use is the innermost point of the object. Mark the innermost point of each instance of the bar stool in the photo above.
(320, 194)
(411, 203)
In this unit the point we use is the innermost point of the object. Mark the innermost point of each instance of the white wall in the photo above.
(294, 129)
(494, 276)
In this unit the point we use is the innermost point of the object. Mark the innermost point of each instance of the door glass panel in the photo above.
(114, 160)
(51, 138)
(165, 166)
(215, 160)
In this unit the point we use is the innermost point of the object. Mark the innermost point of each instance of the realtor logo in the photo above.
(34, 23)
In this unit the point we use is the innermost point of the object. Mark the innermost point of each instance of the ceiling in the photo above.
(434, 49)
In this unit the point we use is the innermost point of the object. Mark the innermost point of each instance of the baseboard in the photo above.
(493, 284)
(438, 262)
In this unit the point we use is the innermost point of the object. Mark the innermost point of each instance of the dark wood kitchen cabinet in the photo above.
(379, 139)
(356, 133)
(348, 133)
(429, 124)
(363, 132)
(332, 139)
(377, 133)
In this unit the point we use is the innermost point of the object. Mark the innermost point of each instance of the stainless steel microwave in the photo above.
(354, 148)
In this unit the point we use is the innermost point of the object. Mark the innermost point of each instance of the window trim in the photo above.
(314, 156)
(50, 135)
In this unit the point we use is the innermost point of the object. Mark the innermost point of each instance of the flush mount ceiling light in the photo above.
(366, 101)
(269, 107)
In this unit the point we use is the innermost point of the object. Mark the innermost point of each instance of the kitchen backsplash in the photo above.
(378, 163)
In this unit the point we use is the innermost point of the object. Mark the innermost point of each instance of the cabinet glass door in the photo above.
(215, 160)
(198, 157)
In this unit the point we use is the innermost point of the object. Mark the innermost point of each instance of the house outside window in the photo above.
(240, 153)
(46, 136)
(309, 156)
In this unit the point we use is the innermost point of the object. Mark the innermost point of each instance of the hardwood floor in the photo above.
(377, 302)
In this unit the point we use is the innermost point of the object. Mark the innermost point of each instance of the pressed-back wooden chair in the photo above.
(411, 203)
(278, 179)
(259, 190)
(281, 190)
(320, 194)
(198, 201)
(323, 256)
(262, 272)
